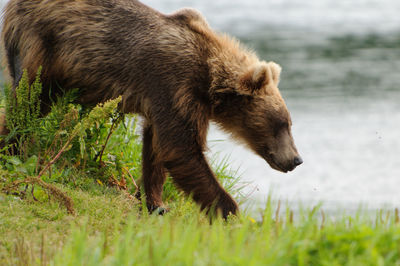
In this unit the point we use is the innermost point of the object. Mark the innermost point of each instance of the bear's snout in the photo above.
(297, 161)
(292, 164)
(283, 164)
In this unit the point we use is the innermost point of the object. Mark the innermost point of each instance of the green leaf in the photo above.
(14, 160)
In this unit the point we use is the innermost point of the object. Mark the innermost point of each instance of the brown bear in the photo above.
(173, 70)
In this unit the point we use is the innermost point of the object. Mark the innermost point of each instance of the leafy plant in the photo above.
(35, 146)
(23, 104)
(23, 113)
(81, 135)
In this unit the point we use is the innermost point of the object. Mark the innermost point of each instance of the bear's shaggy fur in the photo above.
(174, 70)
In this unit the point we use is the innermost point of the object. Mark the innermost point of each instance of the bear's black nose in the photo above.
(297, 161)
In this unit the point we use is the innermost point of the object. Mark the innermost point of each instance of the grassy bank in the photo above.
(109, 229)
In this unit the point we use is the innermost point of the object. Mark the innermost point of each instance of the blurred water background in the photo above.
(340, 80)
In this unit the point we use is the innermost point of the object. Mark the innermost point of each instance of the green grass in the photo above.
(109, 229)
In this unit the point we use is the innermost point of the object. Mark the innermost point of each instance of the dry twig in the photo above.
(57, 193)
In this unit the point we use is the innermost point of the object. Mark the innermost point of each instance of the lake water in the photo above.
(340, 80)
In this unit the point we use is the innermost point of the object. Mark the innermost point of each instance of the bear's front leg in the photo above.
(153, 173)
(191, 173)
(179, 140)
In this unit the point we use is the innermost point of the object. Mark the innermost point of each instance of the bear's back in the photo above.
(106, 48)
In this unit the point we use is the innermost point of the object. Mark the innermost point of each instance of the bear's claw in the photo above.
(157, 209)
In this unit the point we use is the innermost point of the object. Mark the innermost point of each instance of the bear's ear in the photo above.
(259, 78)
(276, 72)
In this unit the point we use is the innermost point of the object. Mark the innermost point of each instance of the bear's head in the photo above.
(250, 107)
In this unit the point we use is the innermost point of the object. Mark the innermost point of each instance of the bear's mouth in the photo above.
(276, 166)
(270, 159)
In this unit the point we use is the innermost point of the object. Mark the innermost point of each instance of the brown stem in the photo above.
(63, 149)
(115, 121)
(57, 193)
(33, 196)
(133, 180)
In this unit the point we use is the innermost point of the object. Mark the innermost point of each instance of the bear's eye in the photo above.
(279, 126)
